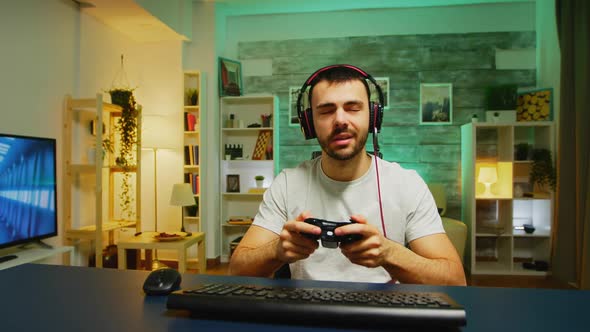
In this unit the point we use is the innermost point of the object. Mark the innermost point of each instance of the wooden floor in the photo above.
(481, 281)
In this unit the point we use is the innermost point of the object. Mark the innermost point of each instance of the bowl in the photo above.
(528, 228)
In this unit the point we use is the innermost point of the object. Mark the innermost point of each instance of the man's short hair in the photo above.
(339, 74)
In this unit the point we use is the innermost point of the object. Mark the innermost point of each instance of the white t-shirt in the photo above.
(409, 212)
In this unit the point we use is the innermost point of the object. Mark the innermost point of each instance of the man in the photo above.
(343, 184)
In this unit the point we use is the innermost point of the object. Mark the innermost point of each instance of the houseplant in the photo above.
(192, 96)
(522, 151)
(126, 128)
(259, 180)
(542, 171)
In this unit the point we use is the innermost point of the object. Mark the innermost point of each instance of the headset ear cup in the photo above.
(307, 124)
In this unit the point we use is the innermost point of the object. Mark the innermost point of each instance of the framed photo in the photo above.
(436, 103)
(233, 183)
(230, 78)
(383, 83)
(293, 94)
(535, 105)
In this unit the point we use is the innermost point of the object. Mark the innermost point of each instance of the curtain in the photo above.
(571, 250)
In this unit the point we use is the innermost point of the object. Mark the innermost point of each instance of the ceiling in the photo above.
(133, 20)
(130, 19)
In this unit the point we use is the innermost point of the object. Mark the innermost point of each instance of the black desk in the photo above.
(38, 297)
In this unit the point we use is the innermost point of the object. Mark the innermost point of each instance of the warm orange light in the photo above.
(494, 180)
(488, 176)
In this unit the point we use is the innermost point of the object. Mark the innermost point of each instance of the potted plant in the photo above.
(259, 181)
(192, 96)
(126, 128)
(521, 151)
(542, 171)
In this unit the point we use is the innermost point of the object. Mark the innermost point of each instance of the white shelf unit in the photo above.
(495, 245)
(247, 110)
(192, 139)
(91, 179)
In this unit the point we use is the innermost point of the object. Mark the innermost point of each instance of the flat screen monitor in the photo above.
(28, 189)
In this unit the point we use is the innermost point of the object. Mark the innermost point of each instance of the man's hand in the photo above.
(371, 250)
(293, 245)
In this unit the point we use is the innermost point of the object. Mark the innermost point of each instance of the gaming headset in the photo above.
(375, 119)
(306, 117)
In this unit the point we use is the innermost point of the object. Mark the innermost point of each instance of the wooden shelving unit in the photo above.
(496, 245)
(83, 170)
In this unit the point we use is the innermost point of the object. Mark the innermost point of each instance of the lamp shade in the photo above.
(182, 195)
(488, 175)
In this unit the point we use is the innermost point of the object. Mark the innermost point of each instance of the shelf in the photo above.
(537, 233)
(492, 247)
(483, 234)
(243, 194)
(493, 199)
(91, 168)
(89, 104)
(247, 129)
(517, 269)
(195, 138)
(491, 268)
(245, 110)
(192, 219)
(88, 231)
(82, 168)
(239, 226)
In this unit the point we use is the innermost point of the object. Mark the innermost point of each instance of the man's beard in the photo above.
(340, 154)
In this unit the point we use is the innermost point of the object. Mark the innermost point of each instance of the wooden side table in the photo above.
(147, 241)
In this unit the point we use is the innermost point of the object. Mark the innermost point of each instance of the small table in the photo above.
(147, 241)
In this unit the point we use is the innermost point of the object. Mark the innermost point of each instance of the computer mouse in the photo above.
(162, 282)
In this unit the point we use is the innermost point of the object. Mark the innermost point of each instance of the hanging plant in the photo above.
(126, 128)
(542, 170)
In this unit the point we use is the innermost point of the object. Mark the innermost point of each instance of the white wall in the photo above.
(155, 70)
(38, 63)
(201, 54)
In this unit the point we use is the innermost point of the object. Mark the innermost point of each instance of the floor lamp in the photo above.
(154, 138)
(182, 195)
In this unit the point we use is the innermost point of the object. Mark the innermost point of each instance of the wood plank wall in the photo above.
(465, 60)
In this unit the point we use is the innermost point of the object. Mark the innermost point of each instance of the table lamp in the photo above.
(182, 195)
(487, 176)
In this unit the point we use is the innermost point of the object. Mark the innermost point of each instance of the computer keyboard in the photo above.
(335, 307)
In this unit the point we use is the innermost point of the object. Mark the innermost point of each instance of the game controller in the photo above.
(328, 238)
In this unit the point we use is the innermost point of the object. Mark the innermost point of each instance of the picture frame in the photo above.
(232, 183)
(535, 105)
(293, 95)
(383, 83)
(230, 77)
(436, 103)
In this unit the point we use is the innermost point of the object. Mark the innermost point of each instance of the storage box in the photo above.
(506, 116)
